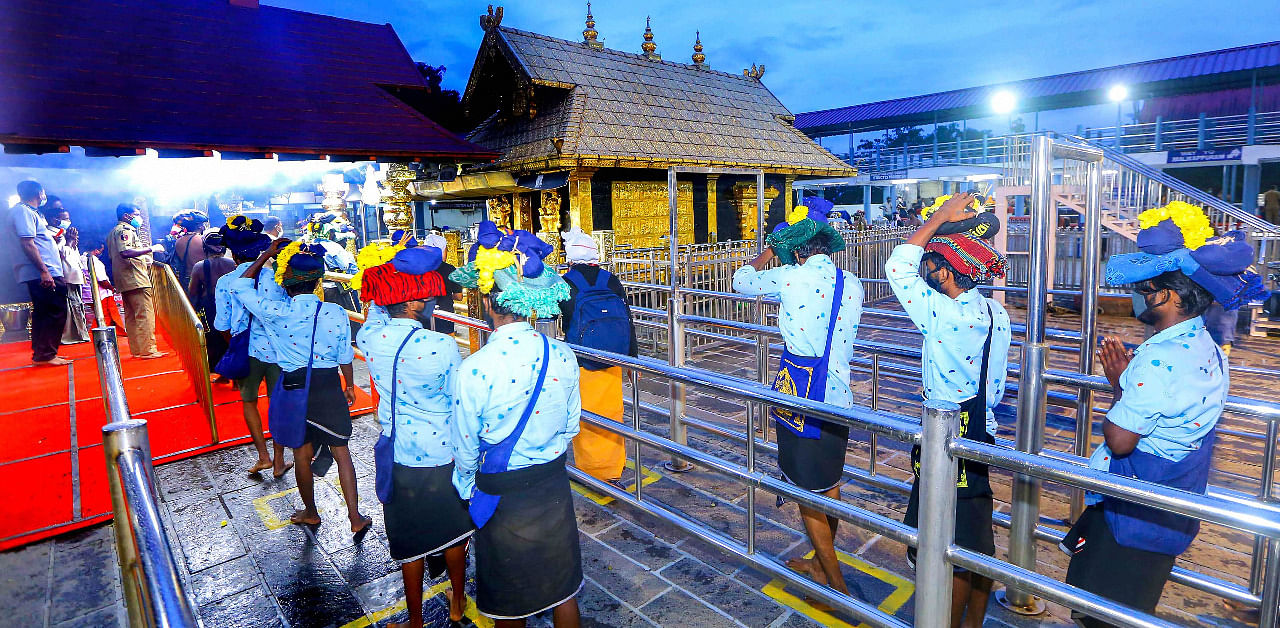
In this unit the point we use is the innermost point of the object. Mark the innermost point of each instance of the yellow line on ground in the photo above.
(262, 505)
(903, 589)
(471, 613)
(650, 476)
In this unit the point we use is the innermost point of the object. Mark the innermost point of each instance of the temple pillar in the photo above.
(453, 254)
(712, 228)
(790, 196)
(398, 213)
(744, 203)
(580, 199)
(605, 243)
(522, 213)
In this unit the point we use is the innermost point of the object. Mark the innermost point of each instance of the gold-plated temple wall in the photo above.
(549, 224)
(641, 212)
(605, 244)
(744, 204)
(713, 230)
(789, 192)
(178, 322)
(522, 213)
(500, 210)
(580, 199)
(453, 248)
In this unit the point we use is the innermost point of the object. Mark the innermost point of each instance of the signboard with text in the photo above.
(1208, 154)
(889, 175)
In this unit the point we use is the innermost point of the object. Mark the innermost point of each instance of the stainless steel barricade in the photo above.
(153, 589)
(939, 449)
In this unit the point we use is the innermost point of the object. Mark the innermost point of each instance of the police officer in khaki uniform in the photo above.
(130, 259)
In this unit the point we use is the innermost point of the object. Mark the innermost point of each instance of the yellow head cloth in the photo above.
(797, 213)
(489, 261)
(282, 259)
(373, 254)
(937, 202)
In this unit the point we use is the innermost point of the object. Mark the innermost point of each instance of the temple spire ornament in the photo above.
(699, 59)
(755, 71)
(650, 49)
(589, 34)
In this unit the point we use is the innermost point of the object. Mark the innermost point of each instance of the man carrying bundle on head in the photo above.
(413, 370)
(964, 358)
(1168, 396)
(596, 315)
(516, 409)
(818, 317)
(250, 358)
(309, 405)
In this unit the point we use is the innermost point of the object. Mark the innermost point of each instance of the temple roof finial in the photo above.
(755, 71)
(492, 20)
(589, 34)
(699, 59)
(650, 49)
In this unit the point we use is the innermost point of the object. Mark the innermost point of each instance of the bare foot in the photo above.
(55, 361)
(303, 517)
(457, 606)
(153, 355)
(809, 567)
(279, 473)
(360, 526)
(260, 466)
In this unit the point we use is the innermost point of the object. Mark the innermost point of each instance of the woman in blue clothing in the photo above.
(1168, 396)
(413, 370)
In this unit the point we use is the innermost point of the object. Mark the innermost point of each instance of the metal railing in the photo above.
(153, 589)
(940, 449)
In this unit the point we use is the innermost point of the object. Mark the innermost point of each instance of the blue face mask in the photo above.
(1139, 304)
(136, 222)
(64, 224)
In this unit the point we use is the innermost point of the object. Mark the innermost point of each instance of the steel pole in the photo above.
(110, 379)
(676, 357)
(1269, 610)
(760, 212)
(1025, 507)
(1268, 480)
(673, 237)
(939, 426)
(1088, 315)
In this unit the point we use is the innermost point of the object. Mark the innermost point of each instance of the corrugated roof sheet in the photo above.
(619, 104)
(1134, 75)
(206, 74)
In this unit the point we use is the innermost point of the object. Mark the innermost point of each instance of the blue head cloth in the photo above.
(246, 242)
(417, 261)
(400, 237)
(1163, 238)
(309, 258)
(817, 204)
(1220, 266)
(528, 245)
(488, 234)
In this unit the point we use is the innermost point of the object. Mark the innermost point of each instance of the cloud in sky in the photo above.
(831, 54)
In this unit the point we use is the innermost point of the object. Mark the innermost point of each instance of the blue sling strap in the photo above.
(804, 376)
(495, 457)
(384, 451)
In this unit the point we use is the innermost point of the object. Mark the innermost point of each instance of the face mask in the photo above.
(136, 222)
(64, 224)
(1146, 314)
(929, 280)
(425, 315)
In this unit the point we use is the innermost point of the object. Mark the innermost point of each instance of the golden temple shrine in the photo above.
(601, 127)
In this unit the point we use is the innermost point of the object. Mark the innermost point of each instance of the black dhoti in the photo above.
(425, 516)
(527, 555)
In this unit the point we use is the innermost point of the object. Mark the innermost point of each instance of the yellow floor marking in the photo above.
(268, 514)
(471, 613)
(650, 476)
(903, 589)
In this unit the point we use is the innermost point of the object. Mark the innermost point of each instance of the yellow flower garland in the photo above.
(798, 213)
(1190, 220)
(487, 262)
(373, 254)
(282, 260)
(937, 202)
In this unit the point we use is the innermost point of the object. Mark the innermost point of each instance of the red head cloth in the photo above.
(969, 255)
(384, 285)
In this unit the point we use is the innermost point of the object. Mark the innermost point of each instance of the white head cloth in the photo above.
(580, 248)
(436, 240)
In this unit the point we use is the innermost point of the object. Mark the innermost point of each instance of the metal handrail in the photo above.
(149, 576)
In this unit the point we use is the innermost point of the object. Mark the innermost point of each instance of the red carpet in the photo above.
(50, 485)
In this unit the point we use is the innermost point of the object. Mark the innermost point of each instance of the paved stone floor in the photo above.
(245, 566)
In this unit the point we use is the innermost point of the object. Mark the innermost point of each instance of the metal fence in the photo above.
(149, 576)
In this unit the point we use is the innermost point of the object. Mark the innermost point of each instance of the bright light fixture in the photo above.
(1118, 93)
(1004, 101)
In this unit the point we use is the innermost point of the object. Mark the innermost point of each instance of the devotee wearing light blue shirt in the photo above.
(517, 407)
(287, 323)
(820, 307)
(493, 386)
(935, 278)
(1168, 395)
(413, 370)
(428, 365)
(805, 291)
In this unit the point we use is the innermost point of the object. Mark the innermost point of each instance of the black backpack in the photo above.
(599, 318)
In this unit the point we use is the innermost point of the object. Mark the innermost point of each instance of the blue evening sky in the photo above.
(829, 54)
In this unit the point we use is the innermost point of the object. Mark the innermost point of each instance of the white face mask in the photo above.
(64, 224)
